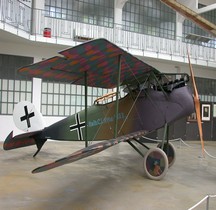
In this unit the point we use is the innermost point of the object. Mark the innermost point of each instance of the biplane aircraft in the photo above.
(152, 100)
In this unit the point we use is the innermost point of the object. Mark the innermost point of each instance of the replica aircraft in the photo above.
(152, 100)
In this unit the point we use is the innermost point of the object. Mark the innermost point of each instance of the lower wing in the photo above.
(88, 151)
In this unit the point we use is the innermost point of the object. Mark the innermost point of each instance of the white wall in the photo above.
(31, 49)
(173, 67)
(7, 125)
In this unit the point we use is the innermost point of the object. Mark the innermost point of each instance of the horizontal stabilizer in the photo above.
(22, 140)
(88, 151)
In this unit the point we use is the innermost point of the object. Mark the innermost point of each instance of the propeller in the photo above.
(196, 103)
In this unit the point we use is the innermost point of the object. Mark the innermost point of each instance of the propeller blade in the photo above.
(197, 104)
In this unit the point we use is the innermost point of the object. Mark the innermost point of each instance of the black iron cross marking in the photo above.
(78, 126)
(27, 116)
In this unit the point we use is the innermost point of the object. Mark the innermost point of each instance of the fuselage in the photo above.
(149, 111)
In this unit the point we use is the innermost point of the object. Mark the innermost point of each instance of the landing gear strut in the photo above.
(155, 161)
(169, 149)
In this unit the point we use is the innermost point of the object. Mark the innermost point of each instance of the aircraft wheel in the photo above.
(155, 164)
(170, 152)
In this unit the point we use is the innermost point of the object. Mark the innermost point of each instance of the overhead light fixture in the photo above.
(82, 38)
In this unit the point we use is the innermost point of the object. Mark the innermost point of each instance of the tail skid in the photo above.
(27, 119)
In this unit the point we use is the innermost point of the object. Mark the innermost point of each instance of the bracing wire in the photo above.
(178, 139)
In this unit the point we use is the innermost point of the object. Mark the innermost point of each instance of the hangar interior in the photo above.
(34, 30)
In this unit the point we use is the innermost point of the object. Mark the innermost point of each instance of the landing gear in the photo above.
(169, 149)
(156, 160)
(155, 164)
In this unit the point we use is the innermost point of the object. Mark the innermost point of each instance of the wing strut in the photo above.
(117, 96)
(86, 109)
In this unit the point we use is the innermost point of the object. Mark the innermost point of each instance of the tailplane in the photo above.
(24, 140)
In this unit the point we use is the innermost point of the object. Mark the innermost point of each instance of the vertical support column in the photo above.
(118, 16)
(36, 93)
(119, 4)
(36, 15)
(179, 29)
(86, 109)
(117, 97)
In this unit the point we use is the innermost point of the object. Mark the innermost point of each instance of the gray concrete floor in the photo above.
(112, 179)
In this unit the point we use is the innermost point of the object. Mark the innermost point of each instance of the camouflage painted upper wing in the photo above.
(98, 59)
(88, 151)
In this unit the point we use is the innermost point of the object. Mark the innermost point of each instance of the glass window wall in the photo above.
(149, 17)
(190, 27)
(59, 99)
(96, 12)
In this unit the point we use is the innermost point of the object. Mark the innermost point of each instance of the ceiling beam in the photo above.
(193, 16)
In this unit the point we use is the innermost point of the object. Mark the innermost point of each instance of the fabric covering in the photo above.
(98, 58)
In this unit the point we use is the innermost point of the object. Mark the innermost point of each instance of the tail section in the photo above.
(28, 119)
(24, 140)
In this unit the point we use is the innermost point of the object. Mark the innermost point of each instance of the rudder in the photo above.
(27, 118)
